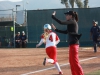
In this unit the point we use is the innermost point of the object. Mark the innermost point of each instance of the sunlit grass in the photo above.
(94, 73)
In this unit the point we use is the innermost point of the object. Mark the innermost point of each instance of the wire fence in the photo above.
(6, 15)
(9, 26)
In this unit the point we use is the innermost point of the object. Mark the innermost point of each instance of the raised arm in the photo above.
(59, 21)
(62, 22)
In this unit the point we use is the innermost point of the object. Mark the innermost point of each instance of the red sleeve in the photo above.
(57, 38)
(42, 36)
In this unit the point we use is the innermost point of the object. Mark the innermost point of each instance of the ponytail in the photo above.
(76, 16)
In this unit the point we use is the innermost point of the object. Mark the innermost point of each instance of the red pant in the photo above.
(76, 69)
(52, 53)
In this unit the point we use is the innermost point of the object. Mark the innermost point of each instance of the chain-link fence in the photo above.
(37, 18)
(6, 20)
(9, 27)
(6, 15)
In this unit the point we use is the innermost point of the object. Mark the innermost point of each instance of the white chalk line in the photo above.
(54, 67)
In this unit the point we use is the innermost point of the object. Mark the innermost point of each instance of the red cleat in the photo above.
(60, 73)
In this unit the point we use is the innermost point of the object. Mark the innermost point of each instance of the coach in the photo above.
(73, 39)
(94, 34)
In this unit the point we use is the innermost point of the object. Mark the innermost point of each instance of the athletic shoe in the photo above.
(95, 51)
(60, 73)
(44, 62)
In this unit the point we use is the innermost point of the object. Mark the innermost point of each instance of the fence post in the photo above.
(26, 24)
(13, 26)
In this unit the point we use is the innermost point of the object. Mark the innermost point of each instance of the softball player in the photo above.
(51, 40)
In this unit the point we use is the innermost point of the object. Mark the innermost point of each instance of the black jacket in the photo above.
(72, 30)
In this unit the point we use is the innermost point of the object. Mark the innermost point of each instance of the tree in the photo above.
(72, 3)
(65, 2)
(79, 3)
(86, 3)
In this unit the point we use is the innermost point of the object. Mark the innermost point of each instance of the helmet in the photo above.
(47, 26)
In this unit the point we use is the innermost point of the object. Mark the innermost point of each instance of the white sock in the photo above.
(50, 60)
(57, 67)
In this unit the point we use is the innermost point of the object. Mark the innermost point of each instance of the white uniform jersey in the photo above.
(52, 40)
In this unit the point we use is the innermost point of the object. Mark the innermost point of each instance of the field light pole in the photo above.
(25, 16)
(16, 9)
(17, 6)
(13, 19)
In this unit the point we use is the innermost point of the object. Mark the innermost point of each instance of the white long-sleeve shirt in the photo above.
(52, 40)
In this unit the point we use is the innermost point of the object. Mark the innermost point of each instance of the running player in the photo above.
(51, 40)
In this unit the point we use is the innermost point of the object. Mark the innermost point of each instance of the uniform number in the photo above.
(50, 38)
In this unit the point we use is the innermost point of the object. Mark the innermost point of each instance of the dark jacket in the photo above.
(17, 37)
(95, 30)
(23, 38)
(72, 30)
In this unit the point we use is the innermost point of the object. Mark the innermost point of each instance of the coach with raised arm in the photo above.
(94, 32)
(71, 23)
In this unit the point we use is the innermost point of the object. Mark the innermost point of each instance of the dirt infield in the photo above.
(29, 61)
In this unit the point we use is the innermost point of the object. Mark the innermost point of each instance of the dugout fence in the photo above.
(37, 18)
(8, 28)
(7, 35)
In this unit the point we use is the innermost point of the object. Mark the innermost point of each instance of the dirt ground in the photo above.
(28, 61)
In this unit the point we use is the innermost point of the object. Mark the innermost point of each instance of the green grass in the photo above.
(94, 73)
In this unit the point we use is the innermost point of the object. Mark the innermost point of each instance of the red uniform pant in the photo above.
(76, 69)
(52, 53)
